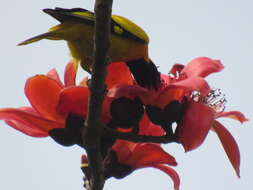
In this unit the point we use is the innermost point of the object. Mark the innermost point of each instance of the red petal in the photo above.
(43, 94)
(146, 154)
(34, 132)
(70, 74)
(155, 130)
(29, 110)
(24, 128)
(130, 91)
(176, 69)
(54, 75)
(193, 83)
(171, 172)
(73, 100)
(166, 80)
(169, 94)
(28, 123)
(202, 66)
(233, 115)
(118, 73)
(148, 128)
(177, 90)
(229, 144)
(195, 125)
(123, 149)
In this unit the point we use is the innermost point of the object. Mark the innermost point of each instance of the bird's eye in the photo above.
(118, 30)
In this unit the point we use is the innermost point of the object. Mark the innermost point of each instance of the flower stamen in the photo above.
(214, 99)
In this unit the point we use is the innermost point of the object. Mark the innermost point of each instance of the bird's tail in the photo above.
(145, 73)
(51, 35)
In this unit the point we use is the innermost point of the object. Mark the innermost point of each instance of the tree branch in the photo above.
(92, 131)
(138, 138)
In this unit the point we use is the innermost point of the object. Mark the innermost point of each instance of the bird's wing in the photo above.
(80, 14)
(120, 26)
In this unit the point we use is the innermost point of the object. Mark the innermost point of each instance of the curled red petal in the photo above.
(170, 172)
(28, 123)
(202, 66)
(193, 83)
(43, 94)
(53, 74)
(70, 74)
(146, 154)
(233, 115)
(195, 125)
(176, 69)
(73, 100)
(229, 144)
(118, 73)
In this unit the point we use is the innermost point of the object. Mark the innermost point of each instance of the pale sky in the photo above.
(179, 31)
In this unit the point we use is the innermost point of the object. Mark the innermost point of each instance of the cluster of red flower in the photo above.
(184, 98)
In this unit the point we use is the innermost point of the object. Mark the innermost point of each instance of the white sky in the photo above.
(180, 30)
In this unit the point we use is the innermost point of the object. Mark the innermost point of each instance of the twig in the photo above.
(92, 131)
(138, 138)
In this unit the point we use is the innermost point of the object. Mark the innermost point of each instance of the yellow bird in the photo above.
(129, 43)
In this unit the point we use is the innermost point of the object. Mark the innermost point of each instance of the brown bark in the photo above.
(92, 131)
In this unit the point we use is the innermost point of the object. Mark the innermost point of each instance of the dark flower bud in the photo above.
(71, 134)
(171, 113)
(126, 112)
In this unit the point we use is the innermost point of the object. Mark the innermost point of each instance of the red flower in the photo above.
(43, 93)
(203, 109)
(186, 98)
(166, 104)
(202, 106)
(182, 80)
(179, 82)
(125, 157)
(199, 117)
(52, 101)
